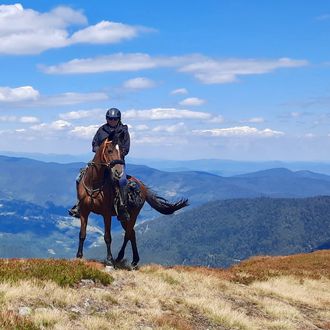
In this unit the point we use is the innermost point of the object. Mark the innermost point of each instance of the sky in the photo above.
(239, 79)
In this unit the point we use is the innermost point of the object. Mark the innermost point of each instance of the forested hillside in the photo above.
(221, 233)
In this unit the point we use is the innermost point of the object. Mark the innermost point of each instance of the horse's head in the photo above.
(111, 156)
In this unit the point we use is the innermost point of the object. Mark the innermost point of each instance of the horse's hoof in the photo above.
(79, 255)
(109, 262)
(109, 268)
(134, 266)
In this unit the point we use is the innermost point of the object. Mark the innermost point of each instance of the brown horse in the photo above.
(96, 193)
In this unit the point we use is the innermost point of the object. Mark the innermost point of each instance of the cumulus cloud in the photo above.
(18, 94)
(74, 115)
(238, 132)
(27, 96)
(57, 125)
(24, 119)
(177, 128)
(165, 113)
(207, 70)
(210, 71)
(29, 120)
(179, 91)
(106, 32)
(115, 63)
(26, 31)
(8, 118)
(71, 98)
(217, 119)
(84, 132)
(142, 127)
(192, 101)
(139, 83)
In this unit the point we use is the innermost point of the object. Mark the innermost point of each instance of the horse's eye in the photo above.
(110, 151)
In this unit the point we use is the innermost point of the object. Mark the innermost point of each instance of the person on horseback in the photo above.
(112, 129)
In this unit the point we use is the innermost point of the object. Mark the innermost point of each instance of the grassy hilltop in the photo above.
(291, 292)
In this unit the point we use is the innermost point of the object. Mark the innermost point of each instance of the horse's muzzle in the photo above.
(117, 171)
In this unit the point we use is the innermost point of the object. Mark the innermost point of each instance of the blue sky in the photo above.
(243, 80)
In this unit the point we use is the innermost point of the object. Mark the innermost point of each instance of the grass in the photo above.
(313, 265)
(10, 320)
(280, 293)
(62, 272)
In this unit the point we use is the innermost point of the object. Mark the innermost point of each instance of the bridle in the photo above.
(109, 165)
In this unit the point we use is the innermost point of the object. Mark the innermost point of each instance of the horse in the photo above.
(96, 193)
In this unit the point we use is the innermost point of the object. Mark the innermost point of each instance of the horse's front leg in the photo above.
(82, 233)
(107, 238)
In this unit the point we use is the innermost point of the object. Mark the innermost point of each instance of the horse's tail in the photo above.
(163, 206)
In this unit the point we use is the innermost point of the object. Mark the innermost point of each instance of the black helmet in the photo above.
(113, 113)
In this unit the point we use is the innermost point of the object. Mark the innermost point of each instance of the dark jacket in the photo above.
(119, 132)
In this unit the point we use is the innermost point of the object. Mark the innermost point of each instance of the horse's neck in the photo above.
(96, 171)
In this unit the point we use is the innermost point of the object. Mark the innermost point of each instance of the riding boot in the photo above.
(123, 214)
(75, 210)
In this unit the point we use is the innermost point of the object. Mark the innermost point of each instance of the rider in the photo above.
(113, 128)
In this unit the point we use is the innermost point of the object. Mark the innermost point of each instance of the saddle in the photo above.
(134, 196)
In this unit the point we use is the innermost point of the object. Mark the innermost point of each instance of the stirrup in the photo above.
(74, 211)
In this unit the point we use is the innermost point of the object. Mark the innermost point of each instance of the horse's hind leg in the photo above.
(130, 232)
(122, 250)
(136, 257)
(82, 233)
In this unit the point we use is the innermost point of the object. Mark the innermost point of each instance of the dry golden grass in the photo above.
(262, 293)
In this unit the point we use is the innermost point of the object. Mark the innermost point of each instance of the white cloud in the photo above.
(58, 125)
(85, 132)
(205, 69)
(238, 132)
(141, 127)
(74, 115)
(74, 98)
(192, 101)
(295, 114)
(28, 120)
(177, 128)
(210, 71)
(8, 118)
(139, 83)
(26, 31)
(113, 63)
(106, 32)
(165, 113)
(24, 93)
(254, 120)
(24, 119)
(159, 141)
(217, 119)
(69, 98)
(179, 91)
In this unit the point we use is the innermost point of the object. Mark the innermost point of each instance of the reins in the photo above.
(93, 193)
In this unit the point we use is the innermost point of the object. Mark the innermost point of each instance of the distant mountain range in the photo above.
(223, 167)
(42, 183)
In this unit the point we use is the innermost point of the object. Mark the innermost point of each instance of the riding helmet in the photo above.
(113, 113)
